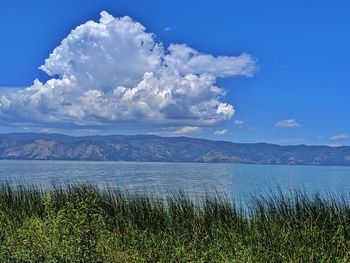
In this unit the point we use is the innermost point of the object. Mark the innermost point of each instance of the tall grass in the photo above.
(83, 223)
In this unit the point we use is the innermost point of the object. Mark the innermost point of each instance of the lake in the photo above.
(238, 181)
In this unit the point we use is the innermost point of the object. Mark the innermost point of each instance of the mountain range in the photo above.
(151, 148)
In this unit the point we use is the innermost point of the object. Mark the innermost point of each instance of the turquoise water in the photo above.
(239, 181)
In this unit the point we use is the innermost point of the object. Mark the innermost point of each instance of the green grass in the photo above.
(82, 223)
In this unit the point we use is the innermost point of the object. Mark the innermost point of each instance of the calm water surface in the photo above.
(239, 181)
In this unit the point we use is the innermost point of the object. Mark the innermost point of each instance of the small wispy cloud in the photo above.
(291, 123)
(221, 132)
(187, 130)
(339, 137)
(168, 28)
(88, 130)
(239, 123)
(335, 145)
(48, 130)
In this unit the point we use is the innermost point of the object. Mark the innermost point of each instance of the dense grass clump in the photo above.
(82, 223)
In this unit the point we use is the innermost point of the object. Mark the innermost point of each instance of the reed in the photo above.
(84, 223)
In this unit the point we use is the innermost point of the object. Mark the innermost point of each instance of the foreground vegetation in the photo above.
(86, 224)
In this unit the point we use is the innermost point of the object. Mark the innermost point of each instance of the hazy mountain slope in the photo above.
(155, 148)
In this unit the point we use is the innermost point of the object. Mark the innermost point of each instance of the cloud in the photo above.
(221, 133)
(112, 73)
(187, 130)
(239, 123)
(339, 137)
(88, 130)
(5, 89)
(187, 60)
(292, 123)
(335, 145)
(48, 130)
(168, 28)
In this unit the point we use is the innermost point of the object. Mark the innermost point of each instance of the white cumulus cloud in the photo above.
(113, 72)
(292, 123)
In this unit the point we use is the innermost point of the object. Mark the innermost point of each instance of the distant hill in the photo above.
(38, 146)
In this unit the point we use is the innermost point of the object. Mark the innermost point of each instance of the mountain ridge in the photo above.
(45, 146)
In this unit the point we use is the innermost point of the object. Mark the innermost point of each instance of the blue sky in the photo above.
(293, 88)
